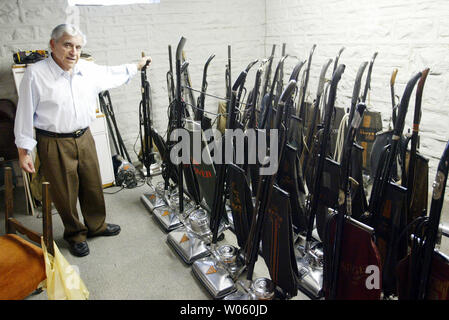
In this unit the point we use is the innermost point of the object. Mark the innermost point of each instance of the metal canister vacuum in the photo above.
(310, 267)
(168, 216)
(155, 198)
(219, 271)
(259, 289)
(192, 240)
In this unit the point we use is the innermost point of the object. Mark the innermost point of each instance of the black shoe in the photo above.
(79, 249)
(111, 230)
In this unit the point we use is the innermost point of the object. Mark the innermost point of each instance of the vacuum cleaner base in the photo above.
(168, 218)
(259, 289)
(310, 267)
(152, 200)
(214, 277)
(188, 245)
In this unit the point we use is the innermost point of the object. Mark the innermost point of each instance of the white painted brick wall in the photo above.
(409, 35)
(118, 34)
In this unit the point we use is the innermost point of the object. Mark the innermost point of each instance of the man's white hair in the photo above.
(70, 29)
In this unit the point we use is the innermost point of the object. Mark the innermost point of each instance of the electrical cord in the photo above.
(340, 138)
(142, 183)
(121, 188)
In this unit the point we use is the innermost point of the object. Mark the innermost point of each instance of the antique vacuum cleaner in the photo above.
(192, 239)
(157, 196)
(310, 252)
(218, 272)
(176, 201)
(271, 232)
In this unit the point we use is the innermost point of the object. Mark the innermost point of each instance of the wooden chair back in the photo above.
(12, 225)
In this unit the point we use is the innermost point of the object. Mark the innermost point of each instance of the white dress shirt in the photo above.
(53, 100)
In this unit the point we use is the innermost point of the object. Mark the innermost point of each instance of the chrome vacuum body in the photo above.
(169, 216)
(219, 271)
(190, 240)
(310, 260)
(259, 289)
(155, 198)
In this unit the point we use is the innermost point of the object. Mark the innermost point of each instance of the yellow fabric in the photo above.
(63, 282)
(21, 267)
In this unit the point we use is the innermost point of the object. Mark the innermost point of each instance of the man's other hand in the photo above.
(142, 62)
(26, 161)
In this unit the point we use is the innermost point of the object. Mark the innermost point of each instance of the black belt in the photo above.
(76, 134)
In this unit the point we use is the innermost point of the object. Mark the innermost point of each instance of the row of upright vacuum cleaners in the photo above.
(308, 219)
(190, 203)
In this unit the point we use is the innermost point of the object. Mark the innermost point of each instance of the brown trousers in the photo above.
(71, 166)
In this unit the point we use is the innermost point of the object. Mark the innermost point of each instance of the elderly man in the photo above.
(57, 97)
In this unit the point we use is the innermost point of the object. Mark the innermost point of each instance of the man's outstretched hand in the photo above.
(142, 62)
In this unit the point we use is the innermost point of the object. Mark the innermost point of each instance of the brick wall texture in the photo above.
(408, 35)
(118, 34)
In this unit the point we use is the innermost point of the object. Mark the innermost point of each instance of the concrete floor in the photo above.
(138, 263)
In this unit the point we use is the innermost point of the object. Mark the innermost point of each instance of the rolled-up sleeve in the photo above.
(112, 77)
(26, 107)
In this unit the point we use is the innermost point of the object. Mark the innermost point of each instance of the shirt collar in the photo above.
(77, 69)
(58, 71)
